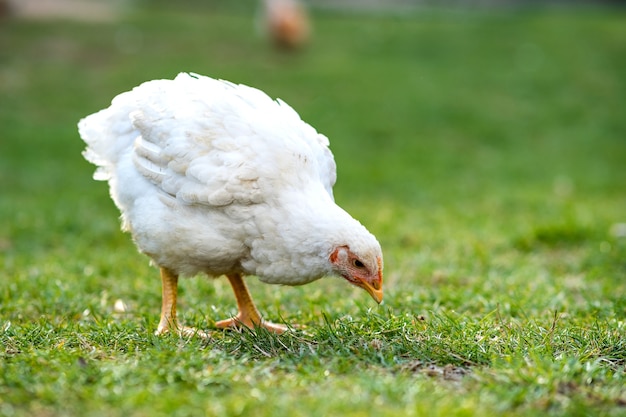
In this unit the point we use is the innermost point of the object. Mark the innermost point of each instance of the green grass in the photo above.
(486, 151)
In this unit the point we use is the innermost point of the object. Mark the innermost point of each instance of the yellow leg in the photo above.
(169, 291)
(248, 314)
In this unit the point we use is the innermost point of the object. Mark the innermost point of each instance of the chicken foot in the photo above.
(248, 314)
(169, 289)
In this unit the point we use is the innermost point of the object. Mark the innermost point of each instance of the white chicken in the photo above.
(217, 178)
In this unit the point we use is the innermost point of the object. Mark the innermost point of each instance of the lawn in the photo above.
(485, 150)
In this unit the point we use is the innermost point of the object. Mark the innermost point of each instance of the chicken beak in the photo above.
(374, 288)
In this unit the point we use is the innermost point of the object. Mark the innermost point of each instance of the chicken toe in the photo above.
(248, 314)
(237, 322)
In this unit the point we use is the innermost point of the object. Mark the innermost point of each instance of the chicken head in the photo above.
(364, 271)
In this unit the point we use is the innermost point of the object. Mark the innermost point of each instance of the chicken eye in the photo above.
(358, 263)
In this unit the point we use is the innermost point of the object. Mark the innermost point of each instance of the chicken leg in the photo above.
(248, 314)
(169, 281)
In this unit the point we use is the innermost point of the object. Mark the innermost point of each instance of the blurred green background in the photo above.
(484, 146)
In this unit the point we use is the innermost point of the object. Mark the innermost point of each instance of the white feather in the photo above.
(215, 177)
